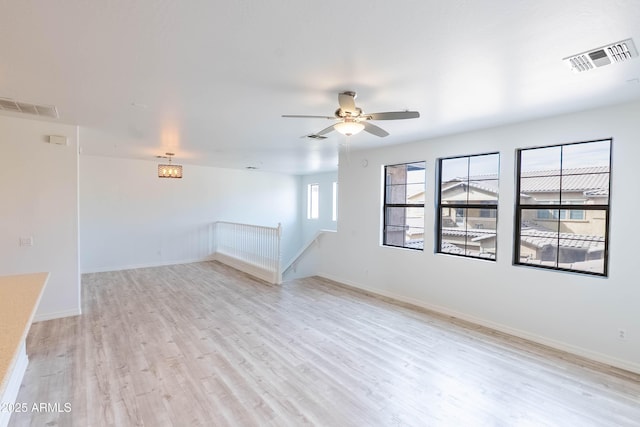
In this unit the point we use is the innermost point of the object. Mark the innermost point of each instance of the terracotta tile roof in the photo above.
(451, 248)
(474, 233)
(579, 179)
(539, 237)
(587, 179)
(490, 186)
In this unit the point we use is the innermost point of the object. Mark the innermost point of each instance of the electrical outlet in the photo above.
(622, 334)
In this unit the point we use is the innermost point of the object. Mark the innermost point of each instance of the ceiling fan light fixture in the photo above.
(349, 128)
(351, 120)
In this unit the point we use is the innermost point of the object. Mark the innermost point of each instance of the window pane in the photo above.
(484, 167)
(404, 226)
(540, 159)
(415, 173)
(592, 265)
(448, 217)
(469, 179)
(312, 201)
(583, 249)
(334, 214)
(454, 192)
(586, 155)
(570, 236)
(454, 169)
(453, 233)
(451, 246)
(539, 239)
(466, 228)
(581, 246)
(395, 216)
(394, 235)
(481, 237)
(483, 191)
(595, 186)
(396, 174)
(405, 194)
(484, 242)
(466, 238)
(415, 193)
(396, 194)
(540, 189)
(415, 226)
(482, 218)
(593, 229)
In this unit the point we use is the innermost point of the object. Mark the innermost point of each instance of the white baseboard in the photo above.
(56, 315)
(253, 270)
(558, 345)
(144, 265)
(12, 387)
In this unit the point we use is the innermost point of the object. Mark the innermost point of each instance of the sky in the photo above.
(544, 158)
(571, 156)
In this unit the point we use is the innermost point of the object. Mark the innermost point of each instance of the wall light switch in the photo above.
(26, 241)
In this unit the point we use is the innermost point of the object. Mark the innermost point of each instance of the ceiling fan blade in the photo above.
(296, 116)
(325, 130)
(393, 115)
(347, 102)
(375, 130)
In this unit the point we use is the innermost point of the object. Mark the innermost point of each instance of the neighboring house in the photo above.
(472, 230)
(580, 237)
(581, 186)
(570, 236)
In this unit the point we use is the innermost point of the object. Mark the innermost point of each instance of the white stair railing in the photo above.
(304, 263)
(254, 249)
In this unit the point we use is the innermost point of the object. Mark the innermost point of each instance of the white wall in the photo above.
(131, 218)
(324, 222)
(40, 200)
(574, 312)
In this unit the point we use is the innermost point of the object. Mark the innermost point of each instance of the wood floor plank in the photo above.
(205, 345)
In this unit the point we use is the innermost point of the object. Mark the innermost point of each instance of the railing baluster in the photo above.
(254, 245)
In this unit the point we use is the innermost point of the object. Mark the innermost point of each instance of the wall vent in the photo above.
(7, 104)
(605, 55)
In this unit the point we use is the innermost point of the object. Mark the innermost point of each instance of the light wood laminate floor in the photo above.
(204, 345)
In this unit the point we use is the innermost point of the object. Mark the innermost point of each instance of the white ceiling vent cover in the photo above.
(7, 104)
(605, 55)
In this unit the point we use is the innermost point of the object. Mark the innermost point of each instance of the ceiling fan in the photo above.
(351, 119)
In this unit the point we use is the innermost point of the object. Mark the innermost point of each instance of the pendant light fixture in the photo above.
(169, 170)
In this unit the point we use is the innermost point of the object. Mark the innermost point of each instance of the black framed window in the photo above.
(562, 208)
(468, 205)
(404, 205)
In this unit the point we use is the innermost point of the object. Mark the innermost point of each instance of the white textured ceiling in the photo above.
(209, 80)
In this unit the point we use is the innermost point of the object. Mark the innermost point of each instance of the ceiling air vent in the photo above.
(314, 136)
(7, 104)
(605, 55)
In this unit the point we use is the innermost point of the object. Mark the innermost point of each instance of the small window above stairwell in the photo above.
(313, 193)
